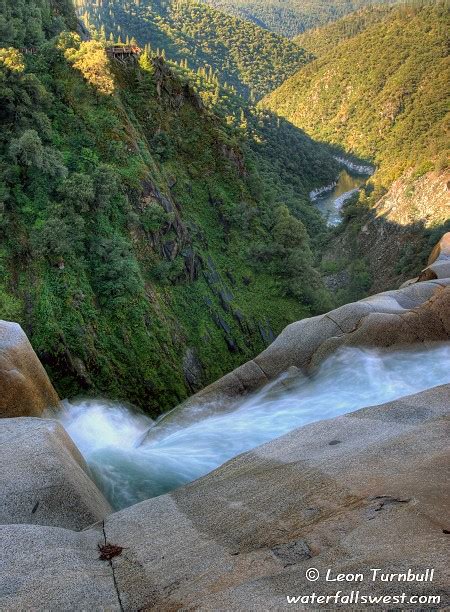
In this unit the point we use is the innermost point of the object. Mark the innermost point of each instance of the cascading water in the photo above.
(109, 434)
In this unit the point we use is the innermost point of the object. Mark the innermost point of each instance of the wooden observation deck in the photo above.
(123, 52)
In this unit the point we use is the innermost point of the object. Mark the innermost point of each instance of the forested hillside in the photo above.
(321, 40)
(241, 54)
(146, 247)
(381, 94)
(290, 17)
(379, 89)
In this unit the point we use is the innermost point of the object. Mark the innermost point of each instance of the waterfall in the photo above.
(109, 434)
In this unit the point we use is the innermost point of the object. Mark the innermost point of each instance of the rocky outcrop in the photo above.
(394, 232)
(419, 313)
(355, 167)
(25, 387)
(44, 479)
(439, 261)
(441, 251)
(352, 493)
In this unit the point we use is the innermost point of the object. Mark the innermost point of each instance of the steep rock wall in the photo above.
(25, 387)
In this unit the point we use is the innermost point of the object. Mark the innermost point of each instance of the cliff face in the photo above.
(394, 236)
(402, 225)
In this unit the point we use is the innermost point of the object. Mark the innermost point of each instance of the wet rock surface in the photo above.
(416, 314)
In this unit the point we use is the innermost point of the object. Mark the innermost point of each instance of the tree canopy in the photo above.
(241, 54)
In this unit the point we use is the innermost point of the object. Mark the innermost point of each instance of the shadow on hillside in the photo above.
(372, 254)
(300, 162)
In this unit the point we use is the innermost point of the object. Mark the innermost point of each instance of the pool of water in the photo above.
(330, 202)
(110, 435)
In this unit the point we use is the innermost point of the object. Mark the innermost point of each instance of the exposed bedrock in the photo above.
(25, 387)
(439, 261)
(360, 491)
(418, 313)
(44, 479)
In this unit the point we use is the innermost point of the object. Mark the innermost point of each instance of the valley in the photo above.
(180, 218)
(246, 58)
(202, 239)
(387, 107)
(290, 17)
(329, 200)
(224, 303)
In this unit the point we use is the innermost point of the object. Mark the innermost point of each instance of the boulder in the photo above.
(360, 491)
(44, 479)
(441, 250)
(25, 387)
(424, 324)
(418, 313)
(439, 261)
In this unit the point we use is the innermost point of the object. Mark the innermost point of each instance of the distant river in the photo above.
(331, 200)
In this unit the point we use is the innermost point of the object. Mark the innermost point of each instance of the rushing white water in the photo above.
(109, 434)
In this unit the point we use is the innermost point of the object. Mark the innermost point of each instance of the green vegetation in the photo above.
(320, 40)
(378, 89)
(246, 57)
(135, 224)
(381, 94)
(290, 17)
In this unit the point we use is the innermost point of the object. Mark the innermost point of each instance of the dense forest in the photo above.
(382, 93)
(320, 40)
(379, 90)
(147, 244)
(242, 55)
(230, 63)
(290, 17)
(155, 224)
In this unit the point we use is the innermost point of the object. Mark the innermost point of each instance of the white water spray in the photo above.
(109, 434)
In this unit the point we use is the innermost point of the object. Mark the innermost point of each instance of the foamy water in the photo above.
(109, 435)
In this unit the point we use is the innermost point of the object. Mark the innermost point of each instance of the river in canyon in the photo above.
(331, 200)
